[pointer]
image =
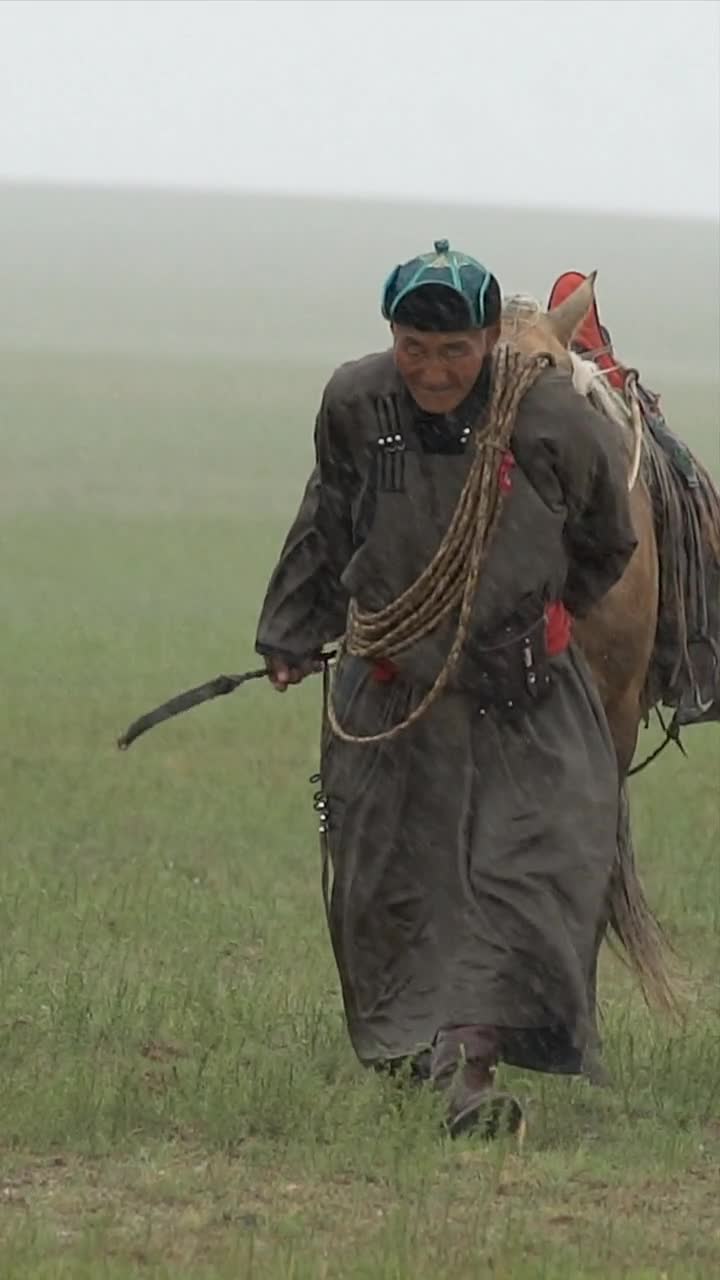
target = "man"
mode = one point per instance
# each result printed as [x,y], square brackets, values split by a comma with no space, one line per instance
[467,768]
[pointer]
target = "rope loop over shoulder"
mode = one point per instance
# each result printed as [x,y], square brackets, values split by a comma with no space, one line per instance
[450,580]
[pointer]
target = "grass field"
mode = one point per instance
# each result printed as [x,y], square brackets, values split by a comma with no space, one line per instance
[178,1097]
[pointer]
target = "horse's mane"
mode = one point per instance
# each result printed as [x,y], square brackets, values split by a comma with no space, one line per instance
[520,311]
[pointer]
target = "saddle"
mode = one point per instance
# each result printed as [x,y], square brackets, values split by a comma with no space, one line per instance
[685,668]
[593,342]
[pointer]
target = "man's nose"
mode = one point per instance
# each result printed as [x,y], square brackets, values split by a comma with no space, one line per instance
[434,375]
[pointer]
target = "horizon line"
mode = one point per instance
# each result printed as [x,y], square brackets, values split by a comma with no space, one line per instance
[137,187]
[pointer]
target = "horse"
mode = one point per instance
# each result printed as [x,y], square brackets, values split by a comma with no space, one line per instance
[618,636]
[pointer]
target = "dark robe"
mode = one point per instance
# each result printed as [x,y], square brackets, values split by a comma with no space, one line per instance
[471,855]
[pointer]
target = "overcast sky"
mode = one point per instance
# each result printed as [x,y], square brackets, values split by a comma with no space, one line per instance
[607,104]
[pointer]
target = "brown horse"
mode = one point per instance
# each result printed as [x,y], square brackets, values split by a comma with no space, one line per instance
[618,636]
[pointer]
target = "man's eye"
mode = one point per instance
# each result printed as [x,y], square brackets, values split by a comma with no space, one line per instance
[455,350]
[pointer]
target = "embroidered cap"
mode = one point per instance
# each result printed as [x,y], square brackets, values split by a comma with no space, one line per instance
[457,271]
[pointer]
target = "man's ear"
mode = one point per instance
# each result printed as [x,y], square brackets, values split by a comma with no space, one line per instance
[492,336]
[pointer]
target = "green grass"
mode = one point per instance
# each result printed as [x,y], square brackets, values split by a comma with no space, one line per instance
[178,1096]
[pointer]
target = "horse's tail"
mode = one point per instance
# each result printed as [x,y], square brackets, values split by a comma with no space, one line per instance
[636,927]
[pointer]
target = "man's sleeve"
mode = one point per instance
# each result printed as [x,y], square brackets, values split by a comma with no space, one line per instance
[593,468]
[305,604]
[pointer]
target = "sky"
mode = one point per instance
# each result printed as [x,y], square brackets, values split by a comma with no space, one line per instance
[585,104]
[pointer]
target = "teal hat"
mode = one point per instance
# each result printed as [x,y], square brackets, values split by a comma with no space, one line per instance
[446,266]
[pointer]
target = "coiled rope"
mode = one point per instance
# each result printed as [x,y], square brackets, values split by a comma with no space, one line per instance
[452,576]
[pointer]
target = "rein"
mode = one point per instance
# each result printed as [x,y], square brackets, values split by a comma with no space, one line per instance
[672,734]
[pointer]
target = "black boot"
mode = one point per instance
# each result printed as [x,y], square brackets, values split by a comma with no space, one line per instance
[463,1064]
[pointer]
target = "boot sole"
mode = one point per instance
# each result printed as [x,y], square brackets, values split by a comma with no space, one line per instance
[500,1116]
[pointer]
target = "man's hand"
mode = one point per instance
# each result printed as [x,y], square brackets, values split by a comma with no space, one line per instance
[282,674]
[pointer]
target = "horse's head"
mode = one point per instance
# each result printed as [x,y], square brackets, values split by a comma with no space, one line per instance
[529,328]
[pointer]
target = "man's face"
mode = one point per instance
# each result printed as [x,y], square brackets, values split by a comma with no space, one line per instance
[440,369]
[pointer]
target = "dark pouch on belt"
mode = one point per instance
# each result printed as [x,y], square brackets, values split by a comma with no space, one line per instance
[510,672]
